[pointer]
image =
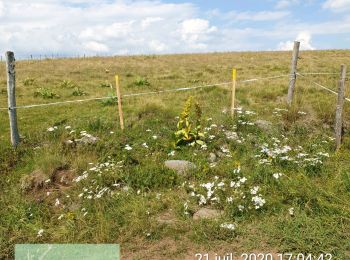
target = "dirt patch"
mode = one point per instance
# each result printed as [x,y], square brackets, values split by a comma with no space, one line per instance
[167,218]
[35,181]
[37,185]
[63,178]
[156,250]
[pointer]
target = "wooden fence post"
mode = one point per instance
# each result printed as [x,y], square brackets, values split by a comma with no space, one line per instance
[119,96]
[293,72]
[233,91]
[11,97]
[339,109]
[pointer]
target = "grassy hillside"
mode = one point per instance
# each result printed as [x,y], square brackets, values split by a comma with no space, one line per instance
[282,185]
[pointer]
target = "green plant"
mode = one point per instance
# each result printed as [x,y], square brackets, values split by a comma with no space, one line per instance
[45,93]
[111,100]
[67,84]
[106,85]
[28,82]
[189,132]
[141,82]
[78,92]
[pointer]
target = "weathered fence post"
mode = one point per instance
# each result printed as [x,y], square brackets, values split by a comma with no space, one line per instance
[293,72]
[119,96]
[11,95]
[233,91]
[339,109]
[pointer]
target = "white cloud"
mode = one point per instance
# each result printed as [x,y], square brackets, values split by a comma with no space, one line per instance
[257,16]
[195,30]
[282,4]
[2,8]
[337,5]
[96,46]
[93,26]
[149,21]
[157,46]
[305,42]
[71,27]
[196,26]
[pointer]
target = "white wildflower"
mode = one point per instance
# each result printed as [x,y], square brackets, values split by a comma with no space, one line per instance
[254,190]
[40,233]
[277,175]
[258,201]
[128,147]
[229,199]
[228,226]
[291,211]
[243,180]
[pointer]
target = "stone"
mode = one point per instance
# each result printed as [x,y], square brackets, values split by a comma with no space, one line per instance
[181,166]
[263,124]
[69,143]
[87,139]
[207,213]
[212,157]
[231,135]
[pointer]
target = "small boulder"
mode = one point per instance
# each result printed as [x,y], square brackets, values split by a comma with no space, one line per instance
[181,166]
[231,135]
[212,157]
[263,124]
[206,213]
[69,143]
[87,139]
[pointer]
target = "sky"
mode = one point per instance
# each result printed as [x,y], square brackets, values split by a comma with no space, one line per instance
[125,27]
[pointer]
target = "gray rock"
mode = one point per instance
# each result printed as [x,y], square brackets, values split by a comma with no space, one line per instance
[263,124]
[206,213]
[212,158]
[220,154]
[231,135]
[69,143]
[87,139]
[181,166]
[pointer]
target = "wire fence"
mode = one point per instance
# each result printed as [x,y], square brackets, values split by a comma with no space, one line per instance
[143,93]
[322,86]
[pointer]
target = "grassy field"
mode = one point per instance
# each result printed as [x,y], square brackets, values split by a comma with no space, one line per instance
[281,185]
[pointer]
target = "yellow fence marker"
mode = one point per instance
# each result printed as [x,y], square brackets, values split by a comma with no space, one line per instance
[233,91]
[119,96]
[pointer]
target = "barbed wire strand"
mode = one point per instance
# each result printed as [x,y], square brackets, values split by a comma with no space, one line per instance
[319,73]
[323,87]
[141,94]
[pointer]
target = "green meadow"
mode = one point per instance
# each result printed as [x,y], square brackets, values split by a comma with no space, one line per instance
[271,172]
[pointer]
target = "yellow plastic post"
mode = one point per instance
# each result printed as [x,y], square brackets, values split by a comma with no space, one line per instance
[119,96]
[233,91]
